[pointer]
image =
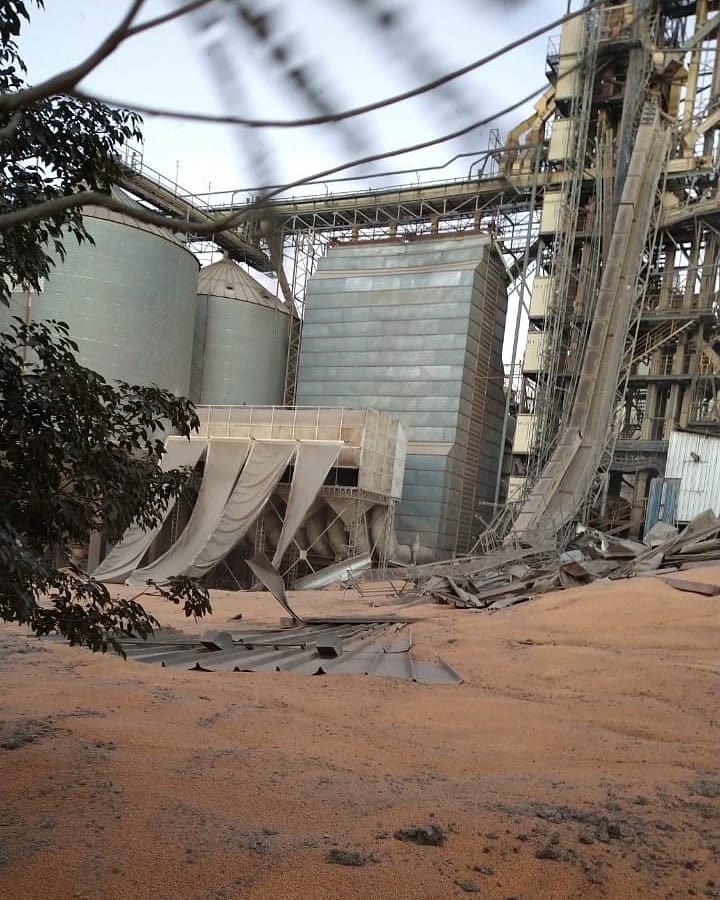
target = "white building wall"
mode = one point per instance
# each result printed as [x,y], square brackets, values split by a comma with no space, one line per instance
[695,460]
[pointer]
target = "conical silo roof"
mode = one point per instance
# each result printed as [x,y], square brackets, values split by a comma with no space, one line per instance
[225,278]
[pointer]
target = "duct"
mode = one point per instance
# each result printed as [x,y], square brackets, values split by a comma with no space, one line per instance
[344,508]
[273,528]
[262,471]
[565,479]
[316,530]
[339,571]
[416,553]
[314,459]
[225,458]
[336,535]
[396,552]
[362,541]
[126,555]
[301,539]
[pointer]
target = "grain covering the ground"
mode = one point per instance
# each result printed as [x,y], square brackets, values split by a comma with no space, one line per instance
[579,759]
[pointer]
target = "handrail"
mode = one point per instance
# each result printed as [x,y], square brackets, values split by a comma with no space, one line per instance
[133,159]
[358,194]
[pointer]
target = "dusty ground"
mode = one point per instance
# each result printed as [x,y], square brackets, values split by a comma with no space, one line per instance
[579,760]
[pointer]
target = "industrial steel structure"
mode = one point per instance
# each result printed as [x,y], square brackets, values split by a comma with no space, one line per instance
[605,203]
[308,487]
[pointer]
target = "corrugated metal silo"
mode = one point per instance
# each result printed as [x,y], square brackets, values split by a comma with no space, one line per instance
[129,300]
[241,334]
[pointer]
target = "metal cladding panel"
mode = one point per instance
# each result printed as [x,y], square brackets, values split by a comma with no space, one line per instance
[423,497]
[541,296]
[534,350]
[561,140]
[239,354]
[415,330]
[369,647]
[524,433]
[552,213]
[695,460]
[129,301]
[377,327]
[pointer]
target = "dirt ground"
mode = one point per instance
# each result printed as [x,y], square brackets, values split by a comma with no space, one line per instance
[578,760]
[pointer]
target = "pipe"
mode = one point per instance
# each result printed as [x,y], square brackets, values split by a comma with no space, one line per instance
[336,535]
[399,553]
[336,572]
[345,510]
[315,528]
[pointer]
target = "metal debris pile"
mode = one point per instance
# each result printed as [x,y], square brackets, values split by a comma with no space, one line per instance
[505,578]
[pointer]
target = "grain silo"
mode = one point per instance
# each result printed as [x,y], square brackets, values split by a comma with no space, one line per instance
[415,330]
[129,300]
[241,335]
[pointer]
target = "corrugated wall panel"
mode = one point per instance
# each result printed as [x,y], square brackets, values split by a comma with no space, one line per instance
[416,331]
[695,460]
[129,300]
[240,353]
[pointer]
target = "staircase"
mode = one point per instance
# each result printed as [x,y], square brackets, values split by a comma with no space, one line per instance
[652,340]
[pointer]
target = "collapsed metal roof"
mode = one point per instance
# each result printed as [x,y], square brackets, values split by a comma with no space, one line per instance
[331,647]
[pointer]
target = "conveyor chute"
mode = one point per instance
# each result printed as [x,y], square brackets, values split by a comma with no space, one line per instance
[563,484]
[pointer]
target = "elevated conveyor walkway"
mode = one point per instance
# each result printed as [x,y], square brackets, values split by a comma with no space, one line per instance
[143,184]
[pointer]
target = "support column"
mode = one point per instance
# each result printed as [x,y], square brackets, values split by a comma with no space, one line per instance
[637,515]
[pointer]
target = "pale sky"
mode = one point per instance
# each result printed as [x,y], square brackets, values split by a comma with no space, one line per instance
[168,67]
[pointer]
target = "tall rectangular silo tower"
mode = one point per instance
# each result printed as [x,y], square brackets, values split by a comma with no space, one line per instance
[415,329]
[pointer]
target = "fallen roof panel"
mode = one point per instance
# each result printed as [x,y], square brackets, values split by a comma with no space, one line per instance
[370,648]
[364,647]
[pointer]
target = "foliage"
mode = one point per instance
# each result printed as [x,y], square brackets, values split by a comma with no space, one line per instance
[49,149]
[76,453]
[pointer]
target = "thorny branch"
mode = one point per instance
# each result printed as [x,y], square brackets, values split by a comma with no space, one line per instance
[339,116]
[167,17]
[65,82]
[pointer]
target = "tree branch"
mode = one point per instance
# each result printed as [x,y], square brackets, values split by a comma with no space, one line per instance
[86,198]
[66,81]
[376,157]
[349,113]
[8,132]
[167,17]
